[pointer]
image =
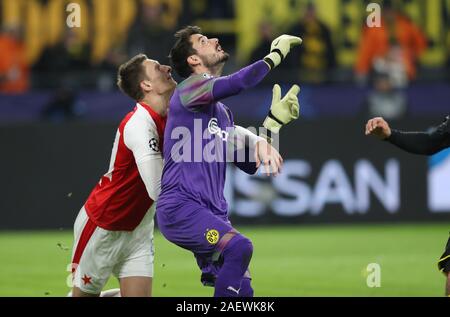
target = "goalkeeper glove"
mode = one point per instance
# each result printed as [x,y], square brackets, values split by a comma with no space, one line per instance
[280,48]
[282,111]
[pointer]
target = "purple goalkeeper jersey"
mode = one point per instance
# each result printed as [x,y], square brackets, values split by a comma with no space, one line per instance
[195,138]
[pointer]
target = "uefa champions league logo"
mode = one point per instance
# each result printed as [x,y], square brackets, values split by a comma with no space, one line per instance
[153,143]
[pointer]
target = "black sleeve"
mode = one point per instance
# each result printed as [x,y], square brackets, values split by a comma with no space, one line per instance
[426,143]
[247,166]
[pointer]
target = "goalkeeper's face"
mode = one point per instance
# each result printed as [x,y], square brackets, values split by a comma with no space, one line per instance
[208,50]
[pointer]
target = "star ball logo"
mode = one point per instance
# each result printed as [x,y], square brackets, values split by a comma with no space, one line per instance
[153,143]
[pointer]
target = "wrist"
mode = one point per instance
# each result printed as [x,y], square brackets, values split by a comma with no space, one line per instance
[273,59]
[272,125]
[389,135]
[266,137]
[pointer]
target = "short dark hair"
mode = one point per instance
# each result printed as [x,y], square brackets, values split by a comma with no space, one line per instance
[182,49]
[130,75]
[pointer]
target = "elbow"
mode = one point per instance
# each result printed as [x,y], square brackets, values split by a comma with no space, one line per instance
[154,193]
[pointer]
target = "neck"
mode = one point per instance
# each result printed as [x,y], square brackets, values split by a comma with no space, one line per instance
[159,103]
[215,70]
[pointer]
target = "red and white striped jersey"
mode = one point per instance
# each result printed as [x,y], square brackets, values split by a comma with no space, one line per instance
[133,182]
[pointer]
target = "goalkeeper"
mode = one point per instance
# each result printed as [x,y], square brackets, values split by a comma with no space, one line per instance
[192,210]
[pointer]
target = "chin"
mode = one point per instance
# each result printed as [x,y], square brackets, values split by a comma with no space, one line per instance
[224,57]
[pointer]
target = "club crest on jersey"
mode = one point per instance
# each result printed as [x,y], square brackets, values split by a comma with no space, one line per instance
[153,143]
[213,128]
[212,236]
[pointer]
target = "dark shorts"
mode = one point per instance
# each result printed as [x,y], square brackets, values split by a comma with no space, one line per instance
[444,261]
[195,228]
[192,227]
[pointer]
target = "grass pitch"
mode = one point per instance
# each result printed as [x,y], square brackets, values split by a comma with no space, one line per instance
[319,260]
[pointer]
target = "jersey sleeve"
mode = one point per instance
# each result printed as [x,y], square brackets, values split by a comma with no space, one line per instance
[241,148]
[196,91]
[203,89]
[425,143]
[144,143]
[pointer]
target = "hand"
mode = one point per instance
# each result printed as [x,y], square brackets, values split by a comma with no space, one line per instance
[280,48]
[282,111]
[378,127]
[269,157]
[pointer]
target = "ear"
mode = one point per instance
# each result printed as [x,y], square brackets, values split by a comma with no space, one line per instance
[193,60]
[146,86]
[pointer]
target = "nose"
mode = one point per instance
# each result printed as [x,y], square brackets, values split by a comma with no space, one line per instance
[167,69]
[215,40]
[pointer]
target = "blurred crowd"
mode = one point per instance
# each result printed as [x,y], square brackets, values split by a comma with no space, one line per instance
[386,59]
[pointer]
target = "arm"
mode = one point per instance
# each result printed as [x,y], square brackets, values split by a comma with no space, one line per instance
[263,152]
[238,137]
[251,75]
[148,158]
[203,89]
[425,143]
[245,78]
[240,143]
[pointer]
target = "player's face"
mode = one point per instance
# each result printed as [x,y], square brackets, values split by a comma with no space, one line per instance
[160,76]
[208,50]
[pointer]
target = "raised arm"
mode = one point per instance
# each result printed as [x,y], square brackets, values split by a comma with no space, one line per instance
[202,89]
[245,78]
[424,143]
[251,75]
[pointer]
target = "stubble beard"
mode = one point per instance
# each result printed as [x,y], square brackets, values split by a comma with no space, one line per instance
[215,66]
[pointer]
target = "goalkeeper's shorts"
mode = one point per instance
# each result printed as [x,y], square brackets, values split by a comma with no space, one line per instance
[444,261]
[99,253]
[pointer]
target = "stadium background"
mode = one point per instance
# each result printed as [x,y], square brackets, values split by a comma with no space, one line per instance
[344,200]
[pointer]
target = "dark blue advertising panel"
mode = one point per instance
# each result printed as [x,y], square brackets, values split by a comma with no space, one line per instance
[332,173]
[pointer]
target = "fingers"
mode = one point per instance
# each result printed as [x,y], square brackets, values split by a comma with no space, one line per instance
[371,126]
[367,128]
[377,126]
[295,89]
[257,160]
[294,40]
[269,158]
[266,163]
[294,107]
[374,124]
[295,110]
[279,162]
[276,94]
[274,166]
